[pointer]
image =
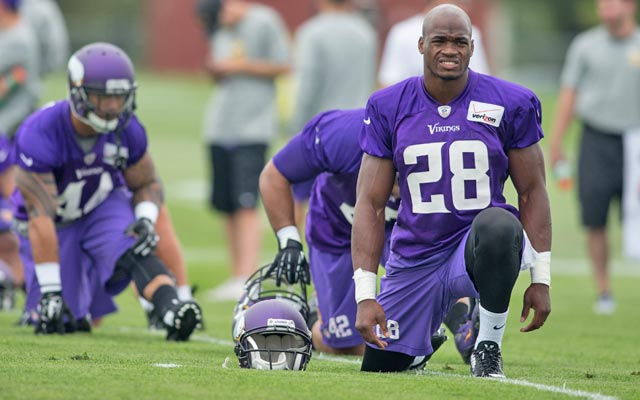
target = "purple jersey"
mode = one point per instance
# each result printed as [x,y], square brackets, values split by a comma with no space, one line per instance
[451,160]
[45,142]
[327,149]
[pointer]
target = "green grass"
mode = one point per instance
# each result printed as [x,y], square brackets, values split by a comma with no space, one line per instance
[575,350]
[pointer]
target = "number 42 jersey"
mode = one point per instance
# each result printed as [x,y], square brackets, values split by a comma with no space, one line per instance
[451,160]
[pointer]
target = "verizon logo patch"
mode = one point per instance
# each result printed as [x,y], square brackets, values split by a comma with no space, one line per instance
[485,113]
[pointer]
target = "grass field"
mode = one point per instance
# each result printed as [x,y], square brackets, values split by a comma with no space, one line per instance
[576,354]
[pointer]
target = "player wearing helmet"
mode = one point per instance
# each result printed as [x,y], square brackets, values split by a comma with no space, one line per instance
[92,198]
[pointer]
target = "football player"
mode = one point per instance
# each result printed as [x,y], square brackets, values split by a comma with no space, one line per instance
[92,198]
[326,149]
[450,138]
[11,276]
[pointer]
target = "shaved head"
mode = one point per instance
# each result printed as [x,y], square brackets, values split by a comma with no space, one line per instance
[443,13]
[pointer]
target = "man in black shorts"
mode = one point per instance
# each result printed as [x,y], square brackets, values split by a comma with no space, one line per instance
[600,93]
[241,120]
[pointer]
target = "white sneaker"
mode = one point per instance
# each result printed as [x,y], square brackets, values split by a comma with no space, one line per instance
[231,290]
[605,305]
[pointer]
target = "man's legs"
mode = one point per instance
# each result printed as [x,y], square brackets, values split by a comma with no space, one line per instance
[235,193]
[600,169]
[492,256]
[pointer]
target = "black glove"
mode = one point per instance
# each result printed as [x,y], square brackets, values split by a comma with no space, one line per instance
[147,238]
[291,262]
[51,312]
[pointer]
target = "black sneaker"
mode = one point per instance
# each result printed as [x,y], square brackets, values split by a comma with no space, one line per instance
[187,316]
[486,360]
[154,320]
[437,340]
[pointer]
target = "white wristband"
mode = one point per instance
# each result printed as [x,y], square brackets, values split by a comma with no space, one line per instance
[48,274]
[541,268]
[286,233]
[365,282]
[147,209]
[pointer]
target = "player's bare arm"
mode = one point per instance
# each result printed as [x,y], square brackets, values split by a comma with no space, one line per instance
[275,191]
[142,181]
[40,192]
[527,173]
[375,181]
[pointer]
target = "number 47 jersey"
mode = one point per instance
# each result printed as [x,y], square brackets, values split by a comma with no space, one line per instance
[46,142]
[451,160]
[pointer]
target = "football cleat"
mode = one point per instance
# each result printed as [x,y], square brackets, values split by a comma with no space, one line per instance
[437,340]
[154,321]
[187,316]
[486,360]
[7,288]
[466,334]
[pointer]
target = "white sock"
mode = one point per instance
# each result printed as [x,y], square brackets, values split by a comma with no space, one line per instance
[145,304]
[491,326]
[184,293]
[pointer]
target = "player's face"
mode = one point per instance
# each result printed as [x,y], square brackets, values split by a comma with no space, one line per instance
[108,107]
[446,48]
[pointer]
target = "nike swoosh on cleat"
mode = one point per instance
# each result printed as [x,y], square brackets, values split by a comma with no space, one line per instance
[496,327]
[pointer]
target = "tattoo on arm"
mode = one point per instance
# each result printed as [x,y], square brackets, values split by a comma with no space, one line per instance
[39,192]
[142,181]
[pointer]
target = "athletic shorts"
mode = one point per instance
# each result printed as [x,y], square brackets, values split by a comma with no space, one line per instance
[236,171]
[89,249]
[417,299]
[332,276]
[599,175]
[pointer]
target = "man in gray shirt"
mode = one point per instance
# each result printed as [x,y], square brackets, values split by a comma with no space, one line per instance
[335,61]
[19,81]
[601,84]
[47,22]
[249,49]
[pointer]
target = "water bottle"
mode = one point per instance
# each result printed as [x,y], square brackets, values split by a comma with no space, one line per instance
[562,172]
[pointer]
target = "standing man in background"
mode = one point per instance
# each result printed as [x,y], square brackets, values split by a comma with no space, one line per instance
[19,91]
[335,61]
[249,49]
[400,58]
[334,67]
[601,84]
[47,22]
[19,81]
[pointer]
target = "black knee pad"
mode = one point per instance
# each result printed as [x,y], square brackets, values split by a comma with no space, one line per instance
[142,269]
[376,360]
[492,256]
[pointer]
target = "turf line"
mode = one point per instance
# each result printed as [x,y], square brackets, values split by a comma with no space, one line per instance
[357,361]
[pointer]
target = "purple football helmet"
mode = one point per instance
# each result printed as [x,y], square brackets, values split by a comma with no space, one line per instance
[273,335]
[262,286]
[103,69]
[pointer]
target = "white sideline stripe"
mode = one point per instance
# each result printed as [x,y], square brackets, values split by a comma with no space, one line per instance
[167,365]
[357,361]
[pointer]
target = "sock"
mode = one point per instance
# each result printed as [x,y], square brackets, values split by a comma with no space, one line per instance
[491,326]
[163,298]
[144,303]
[184,293]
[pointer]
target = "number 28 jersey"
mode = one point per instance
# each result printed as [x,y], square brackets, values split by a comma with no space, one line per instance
[451,160]
[45,142]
